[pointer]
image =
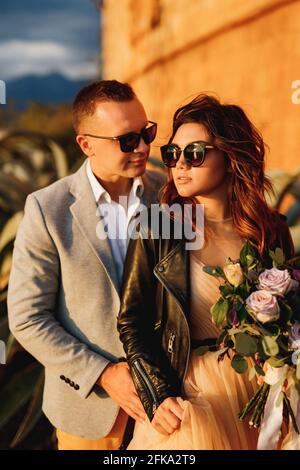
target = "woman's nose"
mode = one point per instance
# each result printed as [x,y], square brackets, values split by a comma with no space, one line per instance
[182,163]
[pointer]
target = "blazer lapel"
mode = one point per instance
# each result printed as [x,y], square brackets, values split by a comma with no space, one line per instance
[84,211]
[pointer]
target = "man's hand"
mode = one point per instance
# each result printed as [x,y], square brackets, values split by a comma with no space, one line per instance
[118,384]
[168,416]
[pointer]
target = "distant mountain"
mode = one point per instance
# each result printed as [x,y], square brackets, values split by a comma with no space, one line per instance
[53,88]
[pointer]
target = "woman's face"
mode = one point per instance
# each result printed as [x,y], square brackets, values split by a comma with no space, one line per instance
[198,181]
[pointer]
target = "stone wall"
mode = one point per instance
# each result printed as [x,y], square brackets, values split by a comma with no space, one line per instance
[244,51]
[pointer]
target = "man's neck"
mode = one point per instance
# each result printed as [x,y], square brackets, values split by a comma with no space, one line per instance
[116,188]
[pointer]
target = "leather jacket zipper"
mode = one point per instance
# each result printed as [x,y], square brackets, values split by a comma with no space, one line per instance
[142,374]
[171,342]
[187,326]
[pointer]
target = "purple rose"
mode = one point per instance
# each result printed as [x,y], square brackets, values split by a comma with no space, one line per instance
[277,281]
[264,305]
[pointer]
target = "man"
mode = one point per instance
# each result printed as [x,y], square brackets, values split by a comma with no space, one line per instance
[63,297]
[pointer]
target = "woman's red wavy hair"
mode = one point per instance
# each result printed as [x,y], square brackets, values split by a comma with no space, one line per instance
[244,148]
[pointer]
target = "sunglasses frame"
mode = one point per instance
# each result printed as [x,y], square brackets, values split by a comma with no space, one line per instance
[192,162]
[121,138]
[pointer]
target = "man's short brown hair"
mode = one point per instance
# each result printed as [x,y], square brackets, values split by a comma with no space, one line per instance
[102,90]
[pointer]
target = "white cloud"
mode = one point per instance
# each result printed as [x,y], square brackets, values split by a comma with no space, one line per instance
[41,57]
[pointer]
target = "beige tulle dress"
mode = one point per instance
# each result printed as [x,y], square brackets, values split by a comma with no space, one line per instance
[214,392]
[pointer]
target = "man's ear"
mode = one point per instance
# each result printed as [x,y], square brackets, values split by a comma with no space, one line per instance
[84,144]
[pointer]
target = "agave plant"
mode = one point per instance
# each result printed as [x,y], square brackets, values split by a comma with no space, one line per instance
[28,161]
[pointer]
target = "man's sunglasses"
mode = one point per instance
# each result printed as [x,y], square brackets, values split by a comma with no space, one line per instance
[130,141]
[194,153]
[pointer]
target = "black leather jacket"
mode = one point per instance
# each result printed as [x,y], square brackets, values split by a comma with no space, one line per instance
[154,316]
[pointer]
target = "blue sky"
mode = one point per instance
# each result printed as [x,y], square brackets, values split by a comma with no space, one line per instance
[45,36]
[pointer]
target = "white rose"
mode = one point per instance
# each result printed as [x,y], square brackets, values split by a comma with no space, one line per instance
[264,305]
[276,281]
[234,273]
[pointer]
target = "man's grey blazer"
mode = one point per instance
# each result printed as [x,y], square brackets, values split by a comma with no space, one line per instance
[63,300]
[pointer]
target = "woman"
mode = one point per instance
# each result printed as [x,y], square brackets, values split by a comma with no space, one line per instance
[215,157]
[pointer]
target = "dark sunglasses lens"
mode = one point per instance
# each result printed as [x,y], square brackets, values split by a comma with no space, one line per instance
[170,155]
[149,133]
[195,154]
[129,142]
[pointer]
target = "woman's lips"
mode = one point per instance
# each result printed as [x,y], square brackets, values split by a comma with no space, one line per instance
[183,179]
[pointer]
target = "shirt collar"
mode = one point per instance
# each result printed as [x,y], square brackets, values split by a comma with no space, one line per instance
[137,188]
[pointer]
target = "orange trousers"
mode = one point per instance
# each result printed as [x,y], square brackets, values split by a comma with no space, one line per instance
[112,441]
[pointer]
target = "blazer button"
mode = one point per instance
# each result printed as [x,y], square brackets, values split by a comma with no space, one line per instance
[72,383]
[68,380]
[76,386]
[161,269]
[62,377]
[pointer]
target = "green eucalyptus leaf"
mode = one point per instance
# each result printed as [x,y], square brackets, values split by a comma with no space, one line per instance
[279,256]
[270,345]
[259,370]
[239,364]
[251,374]
[226,290]
[219,311]
[215,271]
[245,344]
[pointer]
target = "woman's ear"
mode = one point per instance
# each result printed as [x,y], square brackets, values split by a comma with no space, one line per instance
[228,164]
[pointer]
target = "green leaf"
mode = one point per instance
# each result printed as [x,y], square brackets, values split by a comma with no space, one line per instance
[201,350]
[245,344]
[226,290]
[251,374]
[219,311]
[9,231]
[275,362]
[221,351]
[215,271]
[298,370]
[243,313]
[270,345]
[259,370]
[248,255]
[17,392]
[239,364]
[33,413]
[279,256]
[4,330]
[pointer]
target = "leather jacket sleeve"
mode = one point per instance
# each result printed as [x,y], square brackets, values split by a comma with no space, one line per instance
[136,325]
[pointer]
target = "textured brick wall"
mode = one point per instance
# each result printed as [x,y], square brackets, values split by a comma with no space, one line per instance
[245,51]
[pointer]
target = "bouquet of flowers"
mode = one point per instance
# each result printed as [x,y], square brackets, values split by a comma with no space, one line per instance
[258,314]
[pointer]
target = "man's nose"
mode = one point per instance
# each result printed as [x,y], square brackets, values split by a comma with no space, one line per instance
[142,147]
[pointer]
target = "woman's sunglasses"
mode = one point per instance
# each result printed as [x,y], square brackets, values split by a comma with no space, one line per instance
[194,153]
[129,142]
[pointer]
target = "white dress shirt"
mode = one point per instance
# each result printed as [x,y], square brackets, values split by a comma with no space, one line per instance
[116,217]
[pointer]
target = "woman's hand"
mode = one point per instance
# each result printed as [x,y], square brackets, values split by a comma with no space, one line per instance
[168,416]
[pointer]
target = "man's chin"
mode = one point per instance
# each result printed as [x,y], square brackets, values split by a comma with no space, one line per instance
[137,169]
